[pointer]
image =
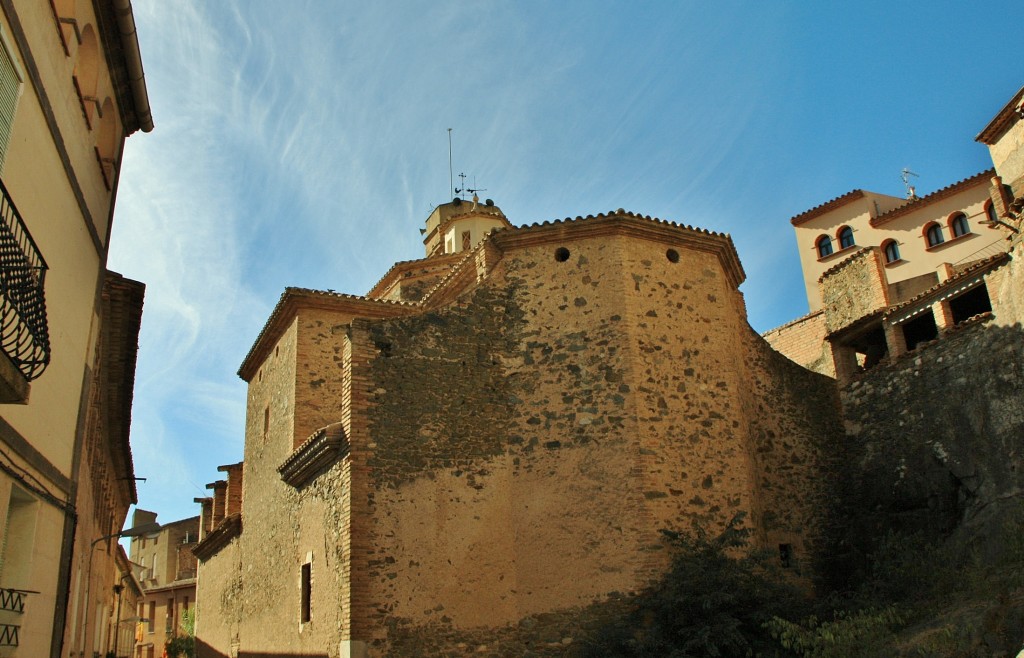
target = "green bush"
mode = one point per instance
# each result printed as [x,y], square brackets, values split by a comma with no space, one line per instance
[709,604]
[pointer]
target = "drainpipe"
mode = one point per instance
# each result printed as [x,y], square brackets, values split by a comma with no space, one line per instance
[136,76]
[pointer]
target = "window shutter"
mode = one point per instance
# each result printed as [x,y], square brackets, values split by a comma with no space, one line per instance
[10,86]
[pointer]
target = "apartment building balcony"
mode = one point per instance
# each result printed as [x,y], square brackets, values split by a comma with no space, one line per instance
[24,335]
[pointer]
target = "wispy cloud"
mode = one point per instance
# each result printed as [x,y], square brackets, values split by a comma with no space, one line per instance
[306,147]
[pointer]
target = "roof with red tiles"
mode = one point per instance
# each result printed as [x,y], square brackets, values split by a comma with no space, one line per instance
[1010,113]
[938,195]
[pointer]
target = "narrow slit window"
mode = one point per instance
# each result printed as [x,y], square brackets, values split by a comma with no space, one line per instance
[306,592]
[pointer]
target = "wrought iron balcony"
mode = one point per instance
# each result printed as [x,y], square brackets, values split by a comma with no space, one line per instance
[11,601]
[24,335]
[9,635]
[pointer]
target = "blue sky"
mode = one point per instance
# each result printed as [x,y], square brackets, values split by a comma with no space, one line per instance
[304,144]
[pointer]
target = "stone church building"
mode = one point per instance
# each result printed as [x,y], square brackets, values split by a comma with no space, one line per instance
[481,453]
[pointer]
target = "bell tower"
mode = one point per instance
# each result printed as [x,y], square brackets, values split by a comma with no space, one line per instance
[460,225]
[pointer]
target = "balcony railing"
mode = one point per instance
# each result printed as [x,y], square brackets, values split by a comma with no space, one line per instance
[12,604]
[24,335]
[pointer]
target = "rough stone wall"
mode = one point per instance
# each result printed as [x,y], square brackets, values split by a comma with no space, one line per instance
[853,289]
[803,341]
[530,443]
[263,556]
[794,425]
[514,456]
[936,435]
[319,371]
[220,602]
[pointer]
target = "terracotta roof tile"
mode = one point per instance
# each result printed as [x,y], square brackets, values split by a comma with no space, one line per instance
[1002,120]
[817,211]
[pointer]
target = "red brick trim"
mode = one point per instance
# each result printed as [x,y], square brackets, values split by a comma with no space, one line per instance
[220,537]
[323,448]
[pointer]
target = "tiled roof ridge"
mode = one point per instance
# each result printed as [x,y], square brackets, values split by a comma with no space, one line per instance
[1000,121]
[333,294]
[398,265]
[622,213]
[456,268]
[973,268]
[840,200]
[794,321]
[846,261]
[937,195]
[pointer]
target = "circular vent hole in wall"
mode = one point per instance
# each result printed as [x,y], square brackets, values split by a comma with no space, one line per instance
[561,254]
[672,255]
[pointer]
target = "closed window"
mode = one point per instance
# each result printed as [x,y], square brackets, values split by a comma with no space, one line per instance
[846,238]
[10,90]
[934,235]
[824,246]
[892,251]
[958,225]
[990,213]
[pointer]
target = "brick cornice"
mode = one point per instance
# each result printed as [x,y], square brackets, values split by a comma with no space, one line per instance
[219,537]
[323,448]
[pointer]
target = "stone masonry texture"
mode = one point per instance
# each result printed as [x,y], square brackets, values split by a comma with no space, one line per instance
[514,453]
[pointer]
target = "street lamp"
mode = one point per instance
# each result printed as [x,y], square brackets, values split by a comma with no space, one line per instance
[144,529]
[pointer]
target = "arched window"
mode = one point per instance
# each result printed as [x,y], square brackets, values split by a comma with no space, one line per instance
[958,225]
[824,245]
[846,237]
[990,213]
[892,251]
[934,235]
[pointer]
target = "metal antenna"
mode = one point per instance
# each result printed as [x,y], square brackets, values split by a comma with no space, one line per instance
[475,189]
[905,177]
[451,179]
[462,179]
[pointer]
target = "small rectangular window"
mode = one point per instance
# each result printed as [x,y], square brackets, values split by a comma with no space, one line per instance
[152,615]
[169,628]
[786,555]
[306,592]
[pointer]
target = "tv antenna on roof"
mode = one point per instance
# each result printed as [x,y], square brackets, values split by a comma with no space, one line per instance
[451,184]
[473,190]
[905,177]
